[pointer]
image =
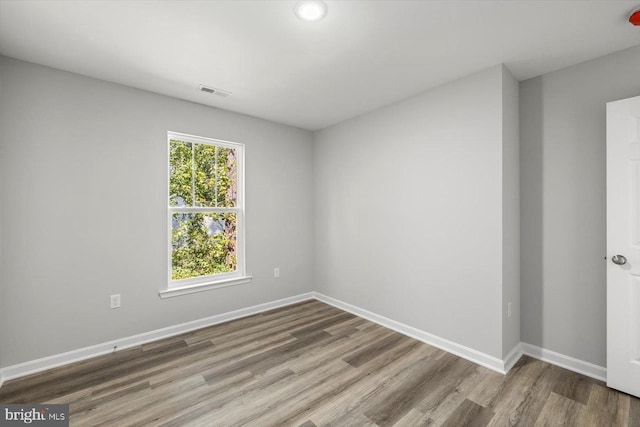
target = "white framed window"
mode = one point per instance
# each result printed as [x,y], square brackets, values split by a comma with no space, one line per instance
[205,214]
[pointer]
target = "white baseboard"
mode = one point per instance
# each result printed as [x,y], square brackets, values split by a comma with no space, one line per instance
[567,362]
[512,358]
[483,359]
[33,366]
[470,354]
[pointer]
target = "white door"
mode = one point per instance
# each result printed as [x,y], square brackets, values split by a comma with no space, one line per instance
[623,245]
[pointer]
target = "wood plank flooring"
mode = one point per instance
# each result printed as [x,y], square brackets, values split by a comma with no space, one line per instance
[311,364]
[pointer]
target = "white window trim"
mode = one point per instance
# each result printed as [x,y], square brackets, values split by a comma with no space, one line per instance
[222,280]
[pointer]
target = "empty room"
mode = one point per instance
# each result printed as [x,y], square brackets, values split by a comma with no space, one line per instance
[320,213]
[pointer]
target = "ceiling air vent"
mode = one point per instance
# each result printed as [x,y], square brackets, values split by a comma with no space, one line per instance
[214,91]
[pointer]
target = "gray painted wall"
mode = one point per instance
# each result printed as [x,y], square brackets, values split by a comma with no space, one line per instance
[510,212]
[64,136]
[562,122]
[84,175]
[408,203]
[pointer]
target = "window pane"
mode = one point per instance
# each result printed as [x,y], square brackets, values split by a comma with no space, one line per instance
[215,176]
[202,244]
[180,161]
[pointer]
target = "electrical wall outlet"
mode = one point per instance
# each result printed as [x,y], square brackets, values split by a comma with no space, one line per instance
[276,272]
[115,301]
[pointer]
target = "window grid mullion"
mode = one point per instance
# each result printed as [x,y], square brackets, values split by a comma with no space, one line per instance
[215,174]
[193,174]
[199,209]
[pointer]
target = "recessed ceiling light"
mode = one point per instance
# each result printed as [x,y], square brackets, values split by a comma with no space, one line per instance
[310,10]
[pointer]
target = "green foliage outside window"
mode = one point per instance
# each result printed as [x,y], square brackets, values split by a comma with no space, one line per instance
[202,175]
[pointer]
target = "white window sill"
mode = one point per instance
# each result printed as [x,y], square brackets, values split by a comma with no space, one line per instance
[200,287]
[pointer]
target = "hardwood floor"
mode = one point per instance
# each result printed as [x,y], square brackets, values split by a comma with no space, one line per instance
[313,365]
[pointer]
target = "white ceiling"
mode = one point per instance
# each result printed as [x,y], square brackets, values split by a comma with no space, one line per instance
[363,55]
